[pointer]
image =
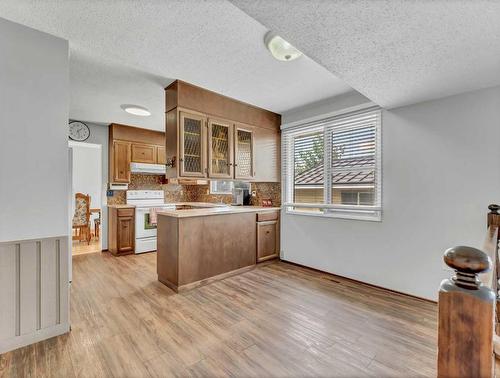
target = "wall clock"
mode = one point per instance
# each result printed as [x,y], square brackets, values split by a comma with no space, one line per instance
[78,131]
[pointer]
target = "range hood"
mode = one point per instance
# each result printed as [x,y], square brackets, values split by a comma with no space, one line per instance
[148,169]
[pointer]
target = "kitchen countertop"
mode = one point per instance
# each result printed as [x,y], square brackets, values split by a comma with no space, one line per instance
[122,206]
[215,209]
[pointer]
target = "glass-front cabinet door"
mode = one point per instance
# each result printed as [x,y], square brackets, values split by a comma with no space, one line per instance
[243,153]
[192,149]
[220,149]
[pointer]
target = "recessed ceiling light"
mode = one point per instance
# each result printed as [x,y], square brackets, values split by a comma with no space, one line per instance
[281,49]
[136,110]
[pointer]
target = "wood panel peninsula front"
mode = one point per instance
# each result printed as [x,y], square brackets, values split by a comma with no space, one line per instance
[198,246]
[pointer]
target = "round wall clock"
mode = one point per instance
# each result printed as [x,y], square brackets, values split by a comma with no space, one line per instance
[78,131]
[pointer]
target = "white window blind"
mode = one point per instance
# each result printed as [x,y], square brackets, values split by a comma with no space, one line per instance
[332,166]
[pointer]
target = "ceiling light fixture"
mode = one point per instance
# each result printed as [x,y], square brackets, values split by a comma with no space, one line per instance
[136,110]
[281,49]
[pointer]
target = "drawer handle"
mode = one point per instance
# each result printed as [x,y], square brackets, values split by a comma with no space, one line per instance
[267,232]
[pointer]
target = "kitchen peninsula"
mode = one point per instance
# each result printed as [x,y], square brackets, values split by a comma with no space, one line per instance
[198,246]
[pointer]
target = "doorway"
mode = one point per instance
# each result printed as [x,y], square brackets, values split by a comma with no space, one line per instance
[86,197]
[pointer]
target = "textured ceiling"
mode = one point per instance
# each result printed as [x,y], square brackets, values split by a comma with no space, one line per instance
[127,51]
[99,87]
[394,52]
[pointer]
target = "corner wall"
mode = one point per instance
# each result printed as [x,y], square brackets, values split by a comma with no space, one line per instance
[34,186]
[441,169]
[34,99]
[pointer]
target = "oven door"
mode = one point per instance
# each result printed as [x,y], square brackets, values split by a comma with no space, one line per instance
[143,229]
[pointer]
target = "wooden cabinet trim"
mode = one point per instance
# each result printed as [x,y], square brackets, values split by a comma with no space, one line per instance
[230,141]
[121,231]
[126,234]
[203,145]
[122,136]
[136,135]
[182,94]
[121,163]
[126,212]
[249,129]
[161,156]
[267,240]
[143,153]
[267,216]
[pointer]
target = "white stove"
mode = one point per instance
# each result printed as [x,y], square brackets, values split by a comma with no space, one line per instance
[144,201]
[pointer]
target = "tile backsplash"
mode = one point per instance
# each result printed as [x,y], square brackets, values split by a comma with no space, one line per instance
[196,193]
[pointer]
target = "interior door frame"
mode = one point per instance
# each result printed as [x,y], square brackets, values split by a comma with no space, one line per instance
[71,145]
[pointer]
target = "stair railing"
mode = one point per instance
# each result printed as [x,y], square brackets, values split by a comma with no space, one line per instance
[468,308]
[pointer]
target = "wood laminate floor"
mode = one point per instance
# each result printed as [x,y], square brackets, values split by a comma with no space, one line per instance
[79,248]
[278,320]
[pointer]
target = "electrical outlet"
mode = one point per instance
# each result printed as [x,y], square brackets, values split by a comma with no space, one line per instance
[254,193]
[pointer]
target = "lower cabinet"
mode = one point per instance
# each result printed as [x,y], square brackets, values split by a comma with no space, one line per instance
[268,241]
[121,231]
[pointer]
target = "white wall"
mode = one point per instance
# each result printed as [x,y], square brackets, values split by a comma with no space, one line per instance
[34,92]
[330,105]
[87,171]
[440,171]
[34,186]
[86,177]
[99,135]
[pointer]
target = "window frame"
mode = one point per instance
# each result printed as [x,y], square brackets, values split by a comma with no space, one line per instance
[216,186]
[328,209]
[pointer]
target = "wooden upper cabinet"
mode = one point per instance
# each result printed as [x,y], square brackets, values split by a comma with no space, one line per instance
[220,149]
[121,161]
[161,157]
[213,136]
[143,153]
[243,152]
[131,144]
[192,145]
[266,155]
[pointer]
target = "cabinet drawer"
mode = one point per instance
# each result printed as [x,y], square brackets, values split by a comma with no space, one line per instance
[267,216]
[125,212]
[143,153]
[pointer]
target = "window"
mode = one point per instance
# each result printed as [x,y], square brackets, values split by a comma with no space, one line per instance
[345,150]
[221,187]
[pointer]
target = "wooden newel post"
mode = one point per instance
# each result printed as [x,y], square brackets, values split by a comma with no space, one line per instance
[466,310]
[493,216]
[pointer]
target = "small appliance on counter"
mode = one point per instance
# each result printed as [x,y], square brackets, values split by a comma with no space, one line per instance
[241,193]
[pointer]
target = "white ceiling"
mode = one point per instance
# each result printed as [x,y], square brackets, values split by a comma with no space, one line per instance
[128,51]
[394,52]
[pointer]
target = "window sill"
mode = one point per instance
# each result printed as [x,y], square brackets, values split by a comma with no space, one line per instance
[360,217]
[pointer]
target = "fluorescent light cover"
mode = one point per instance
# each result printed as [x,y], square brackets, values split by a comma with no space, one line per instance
[281,49]
[136,110]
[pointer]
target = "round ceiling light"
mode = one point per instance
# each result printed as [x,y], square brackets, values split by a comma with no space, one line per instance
[136,110]
[281,49]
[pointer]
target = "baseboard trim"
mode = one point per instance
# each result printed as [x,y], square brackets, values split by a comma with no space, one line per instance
[31,338]
[206,281]
[359,282]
